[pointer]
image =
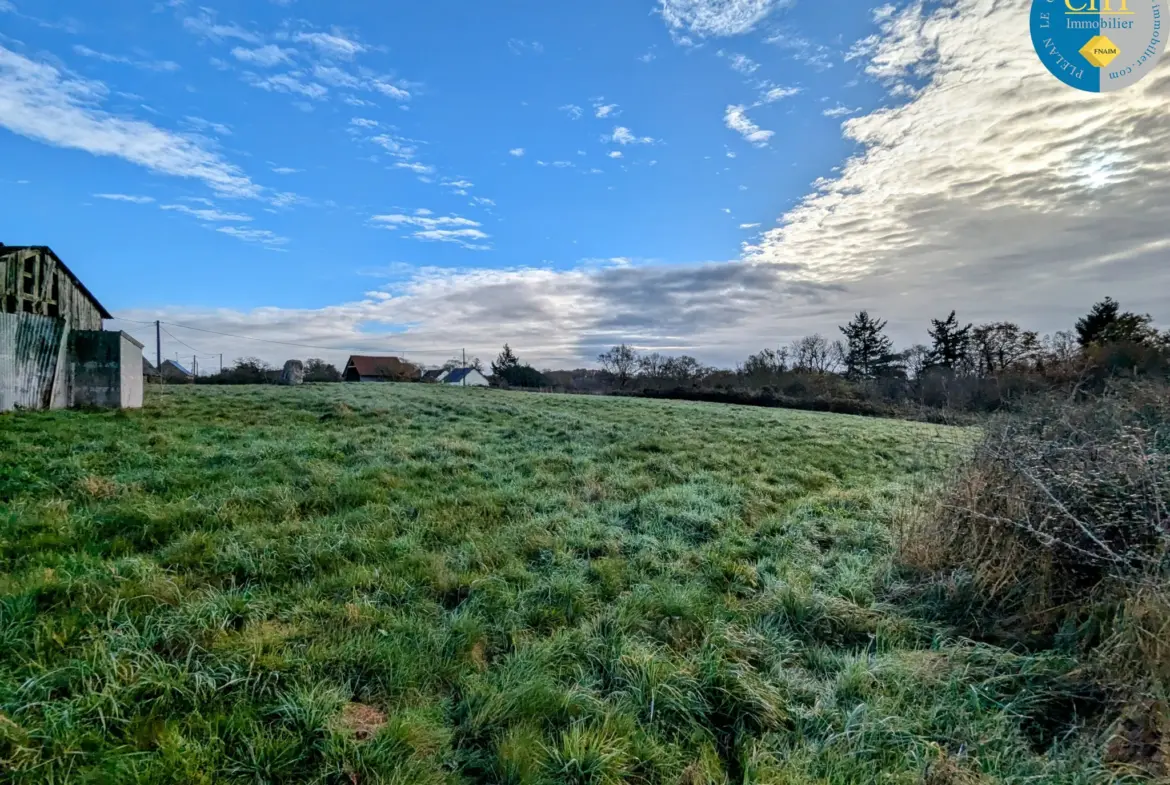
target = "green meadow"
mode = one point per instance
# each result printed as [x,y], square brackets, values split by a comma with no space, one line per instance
[412,584]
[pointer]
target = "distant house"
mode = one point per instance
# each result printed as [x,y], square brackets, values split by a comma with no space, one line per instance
[434,374]
[364,368]
[53,350]
[465,377]
[149,372]
[171,371]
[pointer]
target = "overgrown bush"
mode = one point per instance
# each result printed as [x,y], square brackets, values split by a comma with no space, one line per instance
[1056,534]
[1062,500]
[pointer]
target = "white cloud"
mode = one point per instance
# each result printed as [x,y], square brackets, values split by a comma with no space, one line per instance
[209,214]
[521,47]
[205,26]
[261,236]
[200,124]
[742,63]
[623,135]
[817,56]
[615,154]
[773,94]
[516,151]
[737,120]
[749,226]
[7,7]
[647,58]
[572,110]
[332,44]
[292,83]
[396,146]
[716,17]
[415,167]
[459,183]
[353,100]
[445,228]
[266,56]
[840,110]
[145,65]
[606,110]
[286,170]
[337,77]
[362,122]
[39,102]
[125,198]
[388,89]
[483,201]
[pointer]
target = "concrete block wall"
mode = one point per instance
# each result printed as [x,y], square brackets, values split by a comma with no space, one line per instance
[106,369]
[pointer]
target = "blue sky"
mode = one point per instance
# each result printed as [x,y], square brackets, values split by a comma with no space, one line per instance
[685,175]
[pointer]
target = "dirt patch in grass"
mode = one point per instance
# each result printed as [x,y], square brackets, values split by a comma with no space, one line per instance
[361,720]
[1142,741]
[98,487]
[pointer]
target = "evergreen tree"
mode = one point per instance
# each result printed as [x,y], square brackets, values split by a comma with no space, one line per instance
[508,369]
[505,363]
[1107,323]
[868,350]
[952,344]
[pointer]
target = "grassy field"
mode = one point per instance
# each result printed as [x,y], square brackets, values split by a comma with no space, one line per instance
[409,584]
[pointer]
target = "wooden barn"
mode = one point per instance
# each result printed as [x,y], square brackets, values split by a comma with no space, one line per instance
[34,280]
[53,351]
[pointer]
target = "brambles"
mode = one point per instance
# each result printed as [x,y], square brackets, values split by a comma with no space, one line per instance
[1056,535]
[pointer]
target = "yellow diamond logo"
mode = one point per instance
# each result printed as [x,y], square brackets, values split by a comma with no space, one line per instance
[1100,51]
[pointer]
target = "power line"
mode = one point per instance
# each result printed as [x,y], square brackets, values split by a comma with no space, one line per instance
[427,350]
[189,346]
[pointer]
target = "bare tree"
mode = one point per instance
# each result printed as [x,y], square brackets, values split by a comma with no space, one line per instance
[683,369]
[650,365]
[999,346]
[812,354]
[768,362]
[621,361]
[916,359]
[1062,347]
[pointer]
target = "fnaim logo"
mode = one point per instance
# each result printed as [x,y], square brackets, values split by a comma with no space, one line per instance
[1098,45]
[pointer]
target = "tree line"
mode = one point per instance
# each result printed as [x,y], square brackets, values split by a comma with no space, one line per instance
[963,366]
[968,366]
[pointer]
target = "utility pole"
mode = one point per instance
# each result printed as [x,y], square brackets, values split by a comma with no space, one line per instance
[157,346]
[221,363]
[194,367]
[464,367]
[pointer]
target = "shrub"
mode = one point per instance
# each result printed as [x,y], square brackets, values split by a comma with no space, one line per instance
[1063,499]
[1057,534]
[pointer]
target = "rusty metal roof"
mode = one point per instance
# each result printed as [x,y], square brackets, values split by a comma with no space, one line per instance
[6,249]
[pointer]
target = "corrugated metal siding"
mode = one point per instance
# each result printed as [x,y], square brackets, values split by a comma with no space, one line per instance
[29,349]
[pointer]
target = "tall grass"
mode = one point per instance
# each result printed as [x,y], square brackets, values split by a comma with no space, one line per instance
[408,584]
